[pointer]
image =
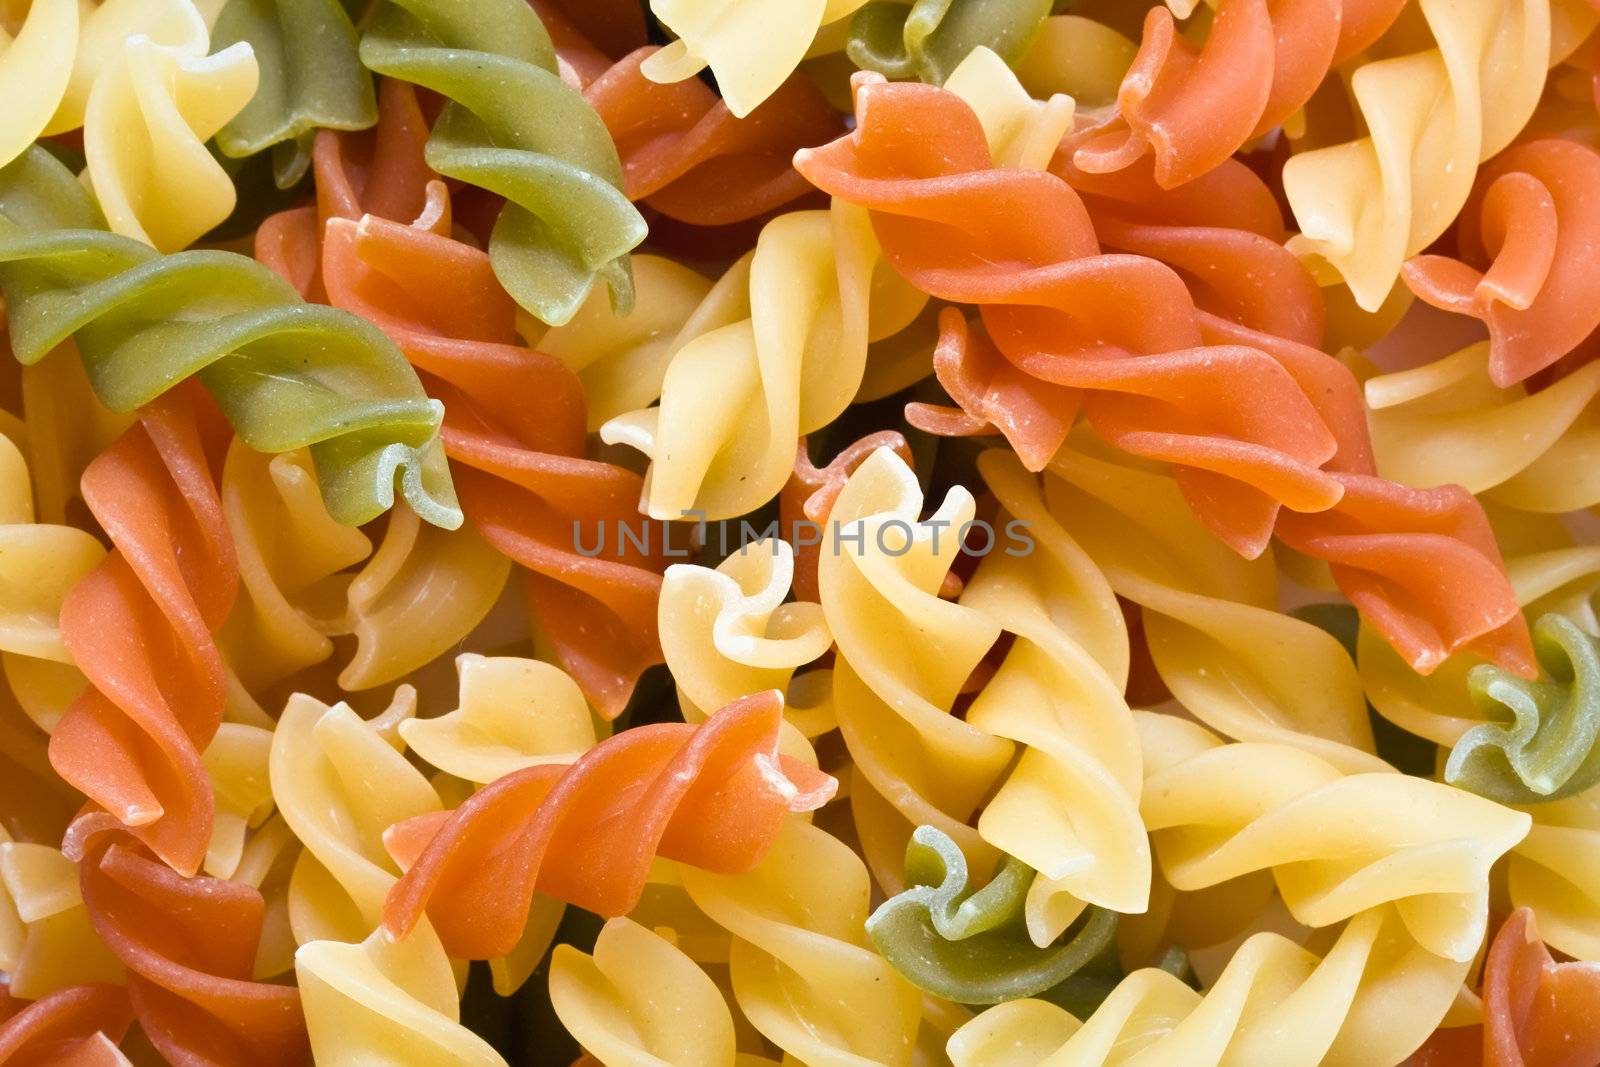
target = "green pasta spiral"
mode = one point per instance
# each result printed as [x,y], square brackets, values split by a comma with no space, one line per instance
[930,37]
[972,946]
[286,373]
[1541,741]
[311,78]
[515,128]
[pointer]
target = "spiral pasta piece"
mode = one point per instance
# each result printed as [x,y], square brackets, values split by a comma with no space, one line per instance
[1548,748]
[311,78]
[802,971]
[145,129]
[291,557]
[1191,106]
[69,1026]
[1433,115]
[1527,222]
[243,333]
[1210,618]
[1553,872]
[567,223]
[1415,890]
[967,944]
[727,633]
[189,945]
[1526,450]
[140,627]
[611,1001]
[339,786]
[383,1002]
[781,350]
[751,46]
[711,795]
[1237,421]
[513,714]
[1538,1013]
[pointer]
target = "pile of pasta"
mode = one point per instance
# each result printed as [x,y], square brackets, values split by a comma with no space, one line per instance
[707,533]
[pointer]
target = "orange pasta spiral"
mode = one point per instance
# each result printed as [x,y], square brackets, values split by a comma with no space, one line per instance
[1263,431]
[1527,237]
[140,628]
[189,945]
[712,795]
[1191,107]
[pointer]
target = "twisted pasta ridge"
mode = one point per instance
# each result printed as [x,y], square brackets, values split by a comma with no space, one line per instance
[779,349]
[75,1022]
[609,1000]
[1210,618]
[1247,442]
[1146,381]
[1414,889]
[1326,867]
[339,785]
[242,332]
[291,557]
[146,154]
[1526,223]
[1547,749]
[515,428]
[1366,205]
[513,713]
[1538,1013]
[751,46]
[140,627]
[927,39]
[802,971]
[686,155]
[386,1002]
[1526,450]
[1191,106]
[712,795]
[311,78]
[189,945]
[727,633]
[149,116]
[566,223]
[46,942]
[968,944]
[35,68]
[39,564]
[1275,1002]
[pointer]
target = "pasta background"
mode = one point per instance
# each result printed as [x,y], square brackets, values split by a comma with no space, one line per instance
[856,533]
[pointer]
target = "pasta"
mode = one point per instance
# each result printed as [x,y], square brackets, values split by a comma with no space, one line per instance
[704,795]
[311,79]
[360,455]
[928,39]
[720,445]
[751,46]
[1192,106]
[140,627]
[967,944]
[988,592]
[1264,457]
[1366,205]
[567,223]
[1537,1011]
